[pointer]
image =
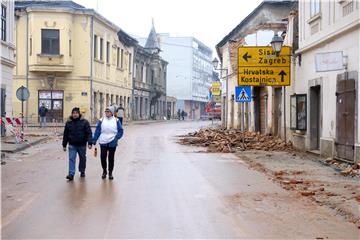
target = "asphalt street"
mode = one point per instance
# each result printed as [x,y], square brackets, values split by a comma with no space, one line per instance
[161,190]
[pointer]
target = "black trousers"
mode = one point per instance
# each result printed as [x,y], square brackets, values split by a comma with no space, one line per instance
[107,153]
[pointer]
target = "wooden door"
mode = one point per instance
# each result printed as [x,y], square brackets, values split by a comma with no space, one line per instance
[345,119]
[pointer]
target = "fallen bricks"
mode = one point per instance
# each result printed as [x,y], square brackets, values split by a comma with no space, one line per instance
[230,140]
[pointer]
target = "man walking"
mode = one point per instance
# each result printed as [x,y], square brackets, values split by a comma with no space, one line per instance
[42,114]
[183,114]
[179,114]
[121,114]
[77,133]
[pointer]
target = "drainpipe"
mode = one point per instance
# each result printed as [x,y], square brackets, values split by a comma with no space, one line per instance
[27,63]
[91,67]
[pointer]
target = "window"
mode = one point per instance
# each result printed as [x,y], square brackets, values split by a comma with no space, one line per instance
[50,42]
[101,48]
[107,52]
[152,76]
[130,63]
[298,112]
[314,7]
[70,47]
[122,58]
[95,47]
[117,57]
[30,46]
[3,22]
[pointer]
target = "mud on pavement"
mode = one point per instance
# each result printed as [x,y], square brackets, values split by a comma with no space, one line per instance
[324,181]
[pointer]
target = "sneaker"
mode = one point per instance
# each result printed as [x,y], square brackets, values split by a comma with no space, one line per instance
[111,176]
[70,177]
[82,174]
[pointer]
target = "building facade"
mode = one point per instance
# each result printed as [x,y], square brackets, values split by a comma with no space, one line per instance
[264,114]
[150,77]
[68,56]
[7,60]
[189,73]
[325,94]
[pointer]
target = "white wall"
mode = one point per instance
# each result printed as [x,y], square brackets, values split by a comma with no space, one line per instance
[7,56]
[348,44]
[337,32]
[331,20]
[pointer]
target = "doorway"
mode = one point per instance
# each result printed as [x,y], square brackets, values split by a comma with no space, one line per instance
[315,117]
[54,102]
[259,95]
[277,112]
[345,119]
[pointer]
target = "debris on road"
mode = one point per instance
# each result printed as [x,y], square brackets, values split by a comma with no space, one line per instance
[230,140]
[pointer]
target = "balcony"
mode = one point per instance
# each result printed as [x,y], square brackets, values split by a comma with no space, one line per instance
[142,86]
[50,63]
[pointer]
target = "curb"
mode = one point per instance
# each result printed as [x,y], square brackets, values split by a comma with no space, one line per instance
[25,146]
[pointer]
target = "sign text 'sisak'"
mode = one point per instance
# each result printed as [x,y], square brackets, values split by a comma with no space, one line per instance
[260,66]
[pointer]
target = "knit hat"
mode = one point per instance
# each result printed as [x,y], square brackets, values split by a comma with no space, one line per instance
[75,109]
[111,109]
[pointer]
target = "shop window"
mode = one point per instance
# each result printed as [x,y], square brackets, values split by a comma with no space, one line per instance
[298,112]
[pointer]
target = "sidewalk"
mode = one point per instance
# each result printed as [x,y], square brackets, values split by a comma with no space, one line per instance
[32,137]
[311,178]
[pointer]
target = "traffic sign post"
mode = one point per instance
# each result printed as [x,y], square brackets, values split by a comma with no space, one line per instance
[243,94]
[23,94]
[259,66]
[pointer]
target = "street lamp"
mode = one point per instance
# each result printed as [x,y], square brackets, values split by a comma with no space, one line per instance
[215,63]
[276,44]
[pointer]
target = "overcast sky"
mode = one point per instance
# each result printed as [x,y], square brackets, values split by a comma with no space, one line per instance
[207,20]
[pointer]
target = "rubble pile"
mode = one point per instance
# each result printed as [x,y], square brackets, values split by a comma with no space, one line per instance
[230,140]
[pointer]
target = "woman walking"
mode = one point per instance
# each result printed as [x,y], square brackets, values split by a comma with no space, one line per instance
[108,132]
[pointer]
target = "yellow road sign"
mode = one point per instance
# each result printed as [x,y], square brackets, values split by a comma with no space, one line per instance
[216,88]
[264,76]
[260,66]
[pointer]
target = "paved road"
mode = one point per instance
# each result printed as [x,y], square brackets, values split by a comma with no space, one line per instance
[161,190]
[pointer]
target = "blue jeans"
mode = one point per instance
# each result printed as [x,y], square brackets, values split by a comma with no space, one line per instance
[73,150]
[42,121]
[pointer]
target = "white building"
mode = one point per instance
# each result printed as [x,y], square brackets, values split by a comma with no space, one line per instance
[189,73]
[327,74]
[7,57]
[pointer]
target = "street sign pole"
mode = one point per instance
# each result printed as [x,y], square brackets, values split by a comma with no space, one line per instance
[243,123]
[22,116]
[23,94]
[284,113]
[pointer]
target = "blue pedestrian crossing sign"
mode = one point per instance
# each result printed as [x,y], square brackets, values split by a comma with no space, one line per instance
[243,94]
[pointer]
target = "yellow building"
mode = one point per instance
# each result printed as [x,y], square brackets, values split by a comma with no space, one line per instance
[68,56]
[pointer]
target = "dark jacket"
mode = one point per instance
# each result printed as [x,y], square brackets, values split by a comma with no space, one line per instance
[43,111]
[77,132]
[113,143]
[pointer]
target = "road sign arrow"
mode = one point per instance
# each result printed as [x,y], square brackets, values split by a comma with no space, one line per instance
[282,74]
[246,56]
